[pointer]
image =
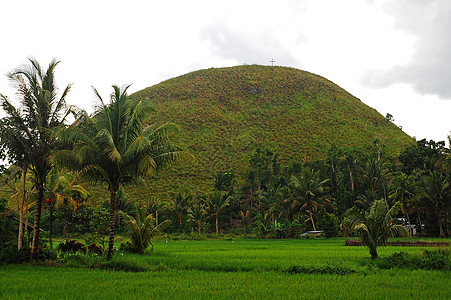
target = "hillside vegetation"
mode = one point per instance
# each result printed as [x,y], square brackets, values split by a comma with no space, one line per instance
[224,113]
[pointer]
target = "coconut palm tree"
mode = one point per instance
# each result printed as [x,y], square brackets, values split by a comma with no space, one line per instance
[216,202]
[197,215]
[403,191]
[245,217]
[281,205]
[153,206]
[310,192]
[31,125]
[11,148]
[15,178]
[117,147]
[179,206]
[377,225]
[435,190]
[62,190]
[374,174]
[142,228]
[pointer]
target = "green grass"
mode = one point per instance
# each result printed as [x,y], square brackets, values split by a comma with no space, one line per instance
[226,269]
[51,283]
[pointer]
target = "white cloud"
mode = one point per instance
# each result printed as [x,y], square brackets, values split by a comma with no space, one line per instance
[428,69]
[247,48]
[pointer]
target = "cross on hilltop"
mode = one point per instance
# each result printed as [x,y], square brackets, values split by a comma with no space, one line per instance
[272,61]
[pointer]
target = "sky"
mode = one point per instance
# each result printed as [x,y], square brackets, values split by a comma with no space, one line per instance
[394,55]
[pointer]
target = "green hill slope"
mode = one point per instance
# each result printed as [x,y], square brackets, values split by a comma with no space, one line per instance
[225,112]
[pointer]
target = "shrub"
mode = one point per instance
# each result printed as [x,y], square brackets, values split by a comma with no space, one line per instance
[329,223]
[436,259]
[95,249]
[10,255]
[430,259]
[402,260]
[72,246]
[127,247]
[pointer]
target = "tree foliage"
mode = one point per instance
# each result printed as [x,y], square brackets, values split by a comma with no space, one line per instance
[377,225]
[27,130]
[116,146]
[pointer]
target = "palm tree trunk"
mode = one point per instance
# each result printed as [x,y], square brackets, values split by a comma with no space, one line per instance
[65,232]
[408,222]
[37,221]
[420,229]
[199,227]
[442,233]
[373,253]
[27,216]
[217,223]
[24,196]
[311,218]
[20,235]
[351,178]
[51,227]
[112,223]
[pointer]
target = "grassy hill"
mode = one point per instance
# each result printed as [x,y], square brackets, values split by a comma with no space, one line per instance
[224,113]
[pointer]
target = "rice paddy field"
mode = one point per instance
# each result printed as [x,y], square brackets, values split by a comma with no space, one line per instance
[232,269]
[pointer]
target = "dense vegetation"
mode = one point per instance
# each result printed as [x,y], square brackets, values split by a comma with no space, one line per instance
[364,178]
[225,113]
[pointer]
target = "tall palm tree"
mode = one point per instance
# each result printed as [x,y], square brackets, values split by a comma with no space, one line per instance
[376,226]
[197,215]
[62,190]
[16,178]
[216,202]
[403,192]
[374,173]
[153,206]
[179,206]
[310,192]
[281,205]
[116,146]
[41,111]
[435,189]
[11,147]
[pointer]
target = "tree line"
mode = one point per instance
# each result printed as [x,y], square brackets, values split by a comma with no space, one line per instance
[283,201]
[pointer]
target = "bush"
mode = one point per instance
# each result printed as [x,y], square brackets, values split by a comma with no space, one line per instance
[127,247]
[72,246]
[436,260]
[10,255]
[431,260]
[85,219]
[95,249]
[329,223]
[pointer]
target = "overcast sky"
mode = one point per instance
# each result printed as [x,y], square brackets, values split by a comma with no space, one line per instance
[394,55]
